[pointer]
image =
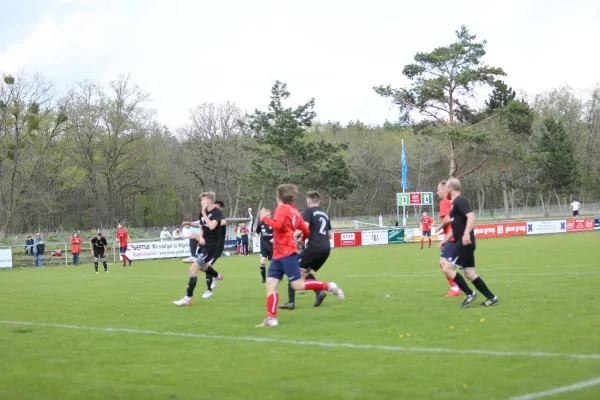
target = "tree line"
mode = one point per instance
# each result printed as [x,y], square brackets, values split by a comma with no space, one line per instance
[94,156]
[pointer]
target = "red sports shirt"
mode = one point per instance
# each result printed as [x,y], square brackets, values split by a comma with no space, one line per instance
[445,206]
[285,222]
[122,236]
[426,224]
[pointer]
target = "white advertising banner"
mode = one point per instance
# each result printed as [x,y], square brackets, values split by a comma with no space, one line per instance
[542,227]
[5,258]
[150,250]
[370,238]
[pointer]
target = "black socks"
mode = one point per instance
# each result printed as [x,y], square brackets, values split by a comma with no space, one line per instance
[191,286]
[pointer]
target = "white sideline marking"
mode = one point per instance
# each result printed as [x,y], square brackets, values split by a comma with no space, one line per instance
[534,354]
[562,389]
[486,274]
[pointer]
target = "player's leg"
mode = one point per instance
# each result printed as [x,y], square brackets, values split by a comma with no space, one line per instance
[104,263]
[470,274]
[193,243]
[460,257]
[429,237]
[96,256]
[193,280]
[207,253]
[444,255]
[274,276]
[422,238]
[294,274]
[263,265]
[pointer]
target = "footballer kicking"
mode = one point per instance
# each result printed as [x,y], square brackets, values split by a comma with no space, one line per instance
[317,249]
[285,261]
[208,239]
[463,254]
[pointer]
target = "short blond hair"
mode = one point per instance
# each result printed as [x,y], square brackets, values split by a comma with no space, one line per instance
[454,184]
[209,196]
[287,193]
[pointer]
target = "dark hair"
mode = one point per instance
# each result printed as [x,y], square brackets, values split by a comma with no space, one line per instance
[314,196]
[220,203]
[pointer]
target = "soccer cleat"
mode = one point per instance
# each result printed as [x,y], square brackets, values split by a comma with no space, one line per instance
[468,300]
[320,297]
[268,322]
[185,301]
[96,271]
[263,281]
[188,260]
[215,281]
[453,293]
[130,262]
[106,272]
[207,294]
[333,288]
[287,306]
[491,302]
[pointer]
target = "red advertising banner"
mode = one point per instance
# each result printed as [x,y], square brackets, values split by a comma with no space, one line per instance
[415,198]
[578,225]
[346,239]
[501,229]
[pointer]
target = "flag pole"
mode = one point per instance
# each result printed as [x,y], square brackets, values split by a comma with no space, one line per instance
[404,163]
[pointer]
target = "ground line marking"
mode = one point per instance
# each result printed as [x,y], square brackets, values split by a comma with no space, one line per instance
[533,354]
[562,389]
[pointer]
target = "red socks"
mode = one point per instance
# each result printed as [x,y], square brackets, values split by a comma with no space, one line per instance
[315,285]
[450,281]
[272,302]
[429,241]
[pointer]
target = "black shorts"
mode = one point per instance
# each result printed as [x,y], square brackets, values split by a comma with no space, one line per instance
[575,213]
[266,251]
[314,259]
[208,254]
[99,254]
[462,256]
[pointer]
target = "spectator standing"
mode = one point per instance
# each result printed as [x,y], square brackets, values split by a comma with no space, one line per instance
[165,235]
[177,234]
[39,245]
[76,241]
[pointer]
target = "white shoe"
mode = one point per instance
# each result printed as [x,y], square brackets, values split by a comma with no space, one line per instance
[207,294]
[333,288]
[268,322]
[215,281]
[185,301]
[189,260]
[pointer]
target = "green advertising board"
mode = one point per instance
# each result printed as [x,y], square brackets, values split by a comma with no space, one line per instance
[415,199]
[395,236]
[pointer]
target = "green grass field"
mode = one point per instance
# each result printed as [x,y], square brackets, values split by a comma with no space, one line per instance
[118,336]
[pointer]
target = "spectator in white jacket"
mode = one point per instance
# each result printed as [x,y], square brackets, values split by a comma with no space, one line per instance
[186,231]
[165,235]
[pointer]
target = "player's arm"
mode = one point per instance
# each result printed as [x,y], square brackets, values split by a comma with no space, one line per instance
[303,227]
[105,243]
[211,223]
[223,222]
[92,248]
[277,221]
[194,224]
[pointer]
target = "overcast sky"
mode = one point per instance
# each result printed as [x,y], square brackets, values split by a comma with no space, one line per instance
[188,52]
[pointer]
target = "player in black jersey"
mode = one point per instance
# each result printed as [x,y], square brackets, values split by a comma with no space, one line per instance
[317,245]
[222,233]
[266,244]
[208,238]
[99,246]
[462,220]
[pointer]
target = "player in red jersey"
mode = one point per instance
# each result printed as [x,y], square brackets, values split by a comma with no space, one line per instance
[285,261]
[426,223]
[124,239]
[445,206]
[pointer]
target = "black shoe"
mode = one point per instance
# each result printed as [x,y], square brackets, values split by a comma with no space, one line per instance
[491,302]
[287,306]
[320,297]
[130,262]
[263,281]
[468,300]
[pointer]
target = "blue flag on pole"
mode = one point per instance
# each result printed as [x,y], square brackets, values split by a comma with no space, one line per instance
[404,168]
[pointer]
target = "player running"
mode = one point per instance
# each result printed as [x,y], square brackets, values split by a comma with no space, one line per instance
[285,261]
[222,233]
[208,239]
[445,205]
[124,240]
[426,223]
[266,244]
[463,254]
[317,249]
[99,246]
